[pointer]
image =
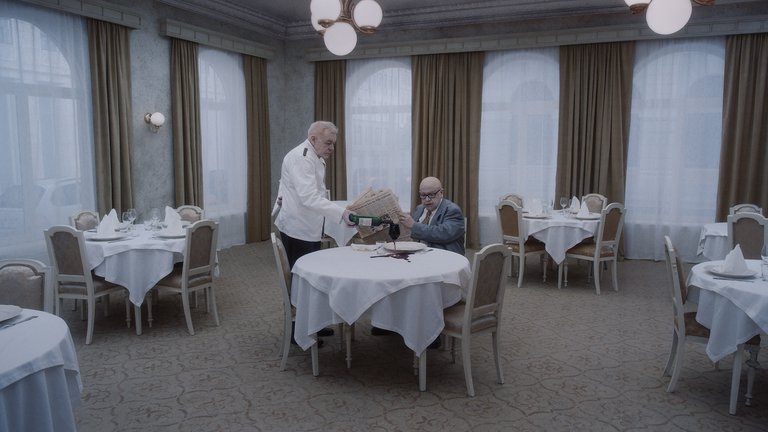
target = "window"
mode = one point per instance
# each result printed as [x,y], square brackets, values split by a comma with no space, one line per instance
[378,127]
[46,143]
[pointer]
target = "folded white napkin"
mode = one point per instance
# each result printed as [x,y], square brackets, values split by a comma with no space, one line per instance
[575,205]
[533,206]
[108,224]
[583,210]
[172,221]
[734,262]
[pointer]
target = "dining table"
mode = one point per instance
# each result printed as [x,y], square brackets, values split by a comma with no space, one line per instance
[560,230]
[713,241]
[733,307]
[39,373]
[136,259]
[406,295]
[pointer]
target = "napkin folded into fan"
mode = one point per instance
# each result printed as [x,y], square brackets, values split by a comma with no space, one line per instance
[583,210]
[172,221]
[575,205]
[534,207]
[108,224]
[735,263]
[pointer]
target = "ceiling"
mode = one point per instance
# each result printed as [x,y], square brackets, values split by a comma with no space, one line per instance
[289,19]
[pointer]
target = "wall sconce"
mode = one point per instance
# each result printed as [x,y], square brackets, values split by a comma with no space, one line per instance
[154,120]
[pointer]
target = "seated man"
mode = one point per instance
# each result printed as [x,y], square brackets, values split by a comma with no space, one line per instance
[437,221]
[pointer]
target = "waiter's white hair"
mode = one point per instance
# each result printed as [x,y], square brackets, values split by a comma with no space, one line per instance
[319,126]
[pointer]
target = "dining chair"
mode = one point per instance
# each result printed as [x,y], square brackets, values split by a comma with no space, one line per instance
[743,208]
[73,279]
[190,213]
[26,283]
[749,231]
[687,329]
[604,249]
[481,311]
[511,221]
[515,198]
[85,220]
[196,273]
[595,202]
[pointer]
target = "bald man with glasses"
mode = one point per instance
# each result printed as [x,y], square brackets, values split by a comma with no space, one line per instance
[437,221]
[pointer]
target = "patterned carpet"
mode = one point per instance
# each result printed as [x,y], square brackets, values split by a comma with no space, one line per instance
[573,361]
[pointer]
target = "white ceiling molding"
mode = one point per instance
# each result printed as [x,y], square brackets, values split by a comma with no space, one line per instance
[232,13]
[640,31]
[214,39]
[94,9]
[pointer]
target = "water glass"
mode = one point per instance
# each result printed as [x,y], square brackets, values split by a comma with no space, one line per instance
[764,263]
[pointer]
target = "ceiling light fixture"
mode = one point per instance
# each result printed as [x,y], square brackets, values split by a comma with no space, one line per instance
[338,20]
[665,16]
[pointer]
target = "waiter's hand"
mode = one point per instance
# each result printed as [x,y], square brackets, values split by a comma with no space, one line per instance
[345,218]
[405,219]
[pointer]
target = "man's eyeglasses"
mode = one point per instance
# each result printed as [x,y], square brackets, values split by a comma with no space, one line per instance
[430,196]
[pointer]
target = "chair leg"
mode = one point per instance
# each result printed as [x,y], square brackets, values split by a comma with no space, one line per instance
[286,343]
[671,359]
[348,341]
[91,319]
[615,276]
[752,364]
[679,357]
[211,304]
[497,356]
[315,362]
[467,362]
[738,358]
[187,312]
[148,301]
[544,265]
[127,311]
[520,270]
[596,269]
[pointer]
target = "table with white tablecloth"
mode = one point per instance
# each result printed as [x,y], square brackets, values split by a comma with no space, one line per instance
[339,285]
[39,374]
[713,241]
[560,232]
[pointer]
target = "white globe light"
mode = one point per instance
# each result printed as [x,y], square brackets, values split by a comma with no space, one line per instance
[367,14]
[668,16]
[157,119]
[317,25]
[325,9]
[340,38]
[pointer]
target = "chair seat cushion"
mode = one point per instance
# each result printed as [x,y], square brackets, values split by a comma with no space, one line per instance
[99,285]
[530,246]
[588,249]
[692,327]
[174,279]
[454,319]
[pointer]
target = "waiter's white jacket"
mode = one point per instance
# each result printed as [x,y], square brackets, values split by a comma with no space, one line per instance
[302,187]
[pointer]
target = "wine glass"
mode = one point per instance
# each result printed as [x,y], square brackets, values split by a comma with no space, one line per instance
[131,215]
[563,202]
[154,218]
[394,233]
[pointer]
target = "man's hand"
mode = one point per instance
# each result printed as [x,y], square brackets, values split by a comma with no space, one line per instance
[405,220]
[345,218]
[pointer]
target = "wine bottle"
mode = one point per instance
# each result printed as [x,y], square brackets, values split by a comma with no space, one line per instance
[369,221]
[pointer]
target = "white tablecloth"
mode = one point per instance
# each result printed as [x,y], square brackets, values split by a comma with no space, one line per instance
[713,241]
[137,263]
[39,375]
[560,232]
[339,285]
[733,310]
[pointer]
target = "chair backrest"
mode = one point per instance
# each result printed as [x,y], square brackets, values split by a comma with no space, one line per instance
[85,220]
[511,221]
[515,198]
[486,294]
[284,274]
[190,213]
[677,290]
[26,283]
[749,231]
[611,225]
[200,250]
[66,251]
[595,202]
[746,208]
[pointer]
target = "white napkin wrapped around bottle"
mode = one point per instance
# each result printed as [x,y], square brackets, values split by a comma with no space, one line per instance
[108,224]
[172,222]
[735,263]
[533,206]
[583,211]
[575,205]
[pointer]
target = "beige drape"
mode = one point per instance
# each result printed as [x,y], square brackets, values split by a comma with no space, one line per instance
[595,102]
[447,99]
[744,154]
[258,220]
[110,61]
[330,81]
[185,123]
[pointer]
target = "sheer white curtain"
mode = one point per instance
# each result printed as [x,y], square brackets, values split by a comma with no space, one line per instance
[674,144]
[46,139]
[378,127]
[518,131]
[222,124]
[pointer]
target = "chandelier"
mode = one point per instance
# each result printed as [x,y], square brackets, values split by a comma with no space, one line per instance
[665,16]
[338,21]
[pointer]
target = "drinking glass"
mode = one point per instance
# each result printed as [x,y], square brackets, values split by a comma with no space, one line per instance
[132,215]
[764,263]
[394,231]
[154,218]
[563,202]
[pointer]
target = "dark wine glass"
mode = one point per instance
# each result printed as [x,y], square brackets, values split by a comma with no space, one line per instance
[394,233]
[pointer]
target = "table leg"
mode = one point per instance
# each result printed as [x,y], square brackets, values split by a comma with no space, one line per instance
[423,371]
[315,363]
[137,310]
[753,364]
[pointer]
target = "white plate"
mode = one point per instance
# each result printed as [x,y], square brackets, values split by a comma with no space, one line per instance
[590,217]
[8,311]
[170,235]
[108,237]
[363,247]
[717,270]
[404,246]
[538,216]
